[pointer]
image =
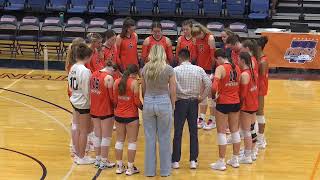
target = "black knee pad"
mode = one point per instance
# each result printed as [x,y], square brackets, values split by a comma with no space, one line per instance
[253,133]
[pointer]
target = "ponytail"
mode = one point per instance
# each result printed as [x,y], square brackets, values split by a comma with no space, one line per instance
[131,69]
[71,53]
[247,60]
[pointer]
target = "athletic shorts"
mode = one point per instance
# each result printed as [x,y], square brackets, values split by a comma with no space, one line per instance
[250,112]
[81,111]
[228,108]
[125,120]
[102,117]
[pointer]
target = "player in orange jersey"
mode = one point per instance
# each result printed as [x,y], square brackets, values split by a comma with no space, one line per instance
[205,49]
[227,85]
[127,43]
[127,102]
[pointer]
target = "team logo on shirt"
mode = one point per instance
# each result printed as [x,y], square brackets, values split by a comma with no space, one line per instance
[301,51]
[201,48]
[130,45]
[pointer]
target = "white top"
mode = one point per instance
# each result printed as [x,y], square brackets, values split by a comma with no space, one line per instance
[79,83]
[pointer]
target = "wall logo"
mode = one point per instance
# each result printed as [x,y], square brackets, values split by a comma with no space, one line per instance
[301,51]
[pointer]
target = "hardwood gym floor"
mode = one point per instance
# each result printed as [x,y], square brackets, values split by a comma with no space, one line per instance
[35,137]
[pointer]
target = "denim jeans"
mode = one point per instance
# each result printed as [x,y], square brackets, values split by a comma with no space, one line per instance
[157,121]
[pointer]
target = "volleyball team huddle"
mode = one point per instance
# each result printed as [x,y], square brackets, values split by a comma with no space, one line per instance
[108,80]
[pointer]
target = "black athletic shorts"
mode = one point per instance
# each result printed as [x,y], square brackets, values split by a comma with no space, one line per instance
[250,112]
[102,117]
[125,120]
[81,111]
[228,108]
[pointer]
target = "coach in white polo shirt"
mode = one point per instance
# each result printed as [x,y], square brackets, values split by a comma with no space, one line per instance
[190,79]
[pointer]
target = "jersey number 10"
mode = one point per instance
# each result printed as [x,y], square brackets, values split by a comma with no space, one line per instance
[73,83]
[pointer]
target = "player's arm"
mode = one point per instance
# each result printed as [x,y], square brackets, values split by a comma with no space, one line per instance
[244,88]
[169,51]
[145,50]
[136,91]
[207,85]
[178,48]
[172,89]
[115,94]
[212,44]
[217,78]
[263,68]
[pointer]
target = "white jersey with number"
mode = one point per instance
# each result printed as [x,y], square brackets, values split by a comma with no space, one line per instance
[79,82]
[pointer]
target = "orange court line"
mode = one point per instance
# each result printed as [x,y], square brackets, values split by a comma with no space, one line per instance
[315,168]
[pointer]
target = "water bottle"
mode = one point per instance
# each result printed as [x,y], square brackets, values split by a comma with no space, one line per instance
[61,15]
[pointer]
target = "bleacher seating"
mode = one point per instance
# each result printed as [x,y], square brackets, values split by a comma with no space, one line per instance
[97,25]
[28,36]
[100,6]
[259,9]
[190,7]
[122,6]
[15,5]
[8,32]
[57,5]
[212,7]
[117,25]
[144,6]
[167,7]
[240,28]
[169,29]
[51,36]
[74,28]
[37,5]
[235,8]
[78,6]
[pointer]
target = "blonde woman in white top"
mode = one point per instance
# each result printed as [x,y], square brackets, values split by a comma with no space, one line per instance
[79,81]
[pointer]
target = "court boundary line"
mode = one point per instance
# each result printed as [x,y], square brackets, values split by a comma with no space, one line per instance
[315,167]
[16,81]
[45,113]
[60,107]
[44,169]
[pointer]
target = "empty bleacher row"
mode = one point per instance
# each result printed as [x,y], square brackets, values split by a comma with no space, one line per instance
[30,36]
[253,9]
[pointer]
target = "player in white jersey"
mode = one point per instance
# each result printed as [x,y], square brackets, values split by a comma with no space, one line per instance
[79,81]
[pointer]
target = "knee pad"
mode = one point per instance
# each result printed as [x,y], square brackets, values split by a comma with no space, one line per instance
[235,137]
[261,119]
[74,127]
[222,139]
[119,145]
[96,141]
[132,146]
[246,134]
[106,141]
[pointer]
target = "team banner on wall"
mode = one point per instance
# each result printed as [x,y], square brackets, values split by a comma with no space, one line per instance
[292,50]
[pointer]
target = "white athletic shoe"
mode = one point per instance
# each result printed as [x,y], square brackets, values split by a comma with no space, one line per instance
[210,125]
[107,164]
[254,154]
[229,139]
[262,143]
[97,163]
[120,169]
[201,123]
[234,162]
[85,160]
[175,165]
[219,165]
[193,165]
[245,159]
[132,171]
[241,152]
